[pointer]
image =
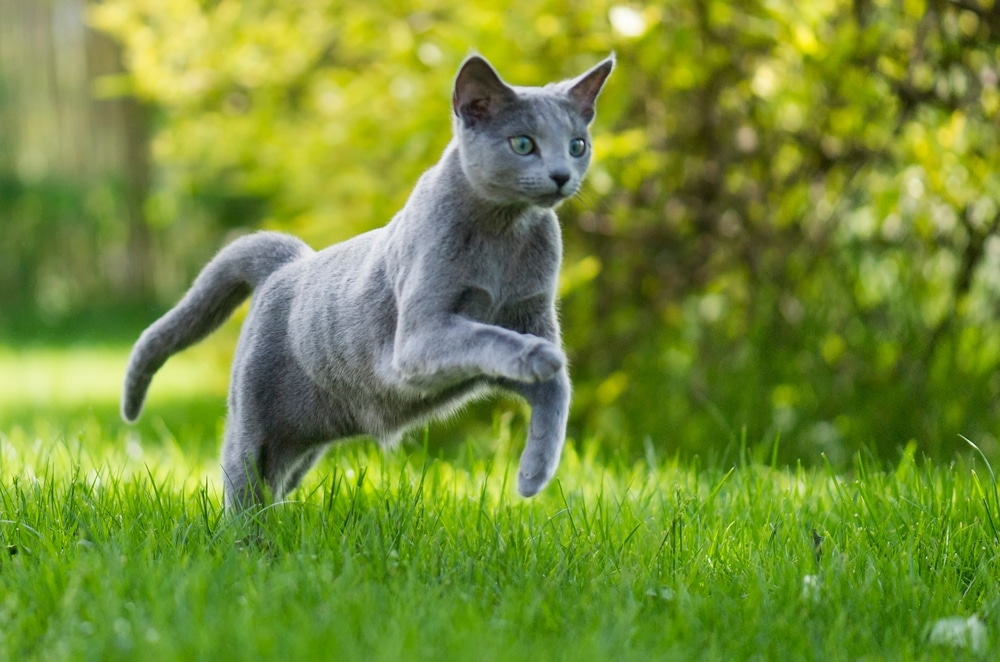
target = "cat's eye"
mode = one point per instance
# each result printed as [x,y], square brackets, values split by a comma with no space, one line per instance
[522,145]
[577,147]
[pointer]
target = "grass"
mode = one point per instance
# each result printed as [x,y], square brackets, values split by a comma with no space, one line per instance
[117,548]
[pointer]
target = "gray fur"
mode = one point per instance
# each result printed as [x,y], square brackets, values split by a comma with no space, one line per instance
[456,296]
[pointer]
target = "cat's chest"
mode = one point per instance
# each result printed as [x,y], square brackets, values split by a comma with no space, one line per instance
[489,306]
[501,286]
[517,313]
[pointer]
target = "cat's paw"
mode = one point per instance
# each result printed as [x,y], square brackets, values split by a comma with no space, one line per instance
[535,471]
[541,362]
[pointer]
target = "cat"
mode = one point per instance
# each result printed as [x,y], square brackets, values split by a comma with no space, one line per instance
[453,298]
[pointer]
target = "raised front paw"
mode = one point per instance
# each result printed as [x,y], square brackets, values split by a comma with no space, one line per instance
[541,362]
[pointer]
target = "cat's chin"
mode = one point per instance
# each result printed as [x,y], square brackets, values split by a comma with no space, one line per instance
[524,199]
[550,201]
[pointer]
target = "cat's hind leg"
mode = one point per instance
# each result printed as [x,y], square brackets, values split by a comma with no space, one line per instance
[277,425]
[243,461]
[301,467]
[257,469]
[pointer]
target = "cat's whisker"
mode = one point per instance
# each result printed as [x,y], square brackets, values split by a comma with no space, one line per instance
[579,197]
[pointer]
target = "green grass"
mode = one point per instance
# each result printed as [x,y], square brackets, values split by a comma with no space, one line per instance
[117,548]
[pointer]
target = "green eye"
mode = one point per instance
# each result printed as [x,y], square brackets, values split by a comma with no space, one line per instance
[522,145]
[577,147]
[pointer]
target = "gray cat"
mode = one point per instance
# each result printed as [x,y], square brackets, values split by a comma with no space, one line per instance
[453,298]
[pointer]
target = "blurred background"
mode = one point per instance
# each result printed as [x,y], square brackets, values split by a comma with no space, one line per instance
[789,233]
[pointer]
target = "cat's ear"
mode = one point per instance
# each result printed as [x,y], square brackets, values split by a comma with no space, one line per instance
[585,88]
[479,92]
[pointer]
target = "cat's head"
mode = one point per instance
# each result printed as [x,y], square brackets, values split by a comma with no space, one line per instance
[524,145]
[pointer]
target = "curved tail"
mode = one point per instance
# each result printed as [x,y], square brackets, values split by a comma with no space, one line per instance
[221,286]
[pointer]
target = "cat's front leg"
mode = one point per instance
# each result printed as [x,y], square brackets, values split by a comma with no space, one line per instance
[454,348]
[549,401]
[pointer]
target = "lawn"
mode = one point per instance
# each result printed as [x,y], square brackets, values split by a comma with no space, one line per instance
[115,545]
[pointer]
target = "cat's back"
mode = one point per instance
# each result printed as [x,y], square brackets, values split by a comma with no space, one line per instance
[341,309]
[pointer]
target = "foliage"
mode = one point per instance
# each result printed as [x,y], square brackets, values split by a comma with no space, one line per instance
[790,226]
[52,224]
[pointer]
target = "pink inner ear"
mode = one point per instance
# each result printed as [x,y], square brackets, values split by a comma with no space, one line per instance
[478,109]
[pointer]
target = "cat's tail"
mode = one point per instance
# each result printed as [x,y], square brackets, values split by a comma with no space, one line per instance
[222,285]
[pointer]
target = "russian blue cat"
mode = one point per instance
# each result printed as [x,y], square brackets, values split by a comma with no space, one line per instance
[454,297]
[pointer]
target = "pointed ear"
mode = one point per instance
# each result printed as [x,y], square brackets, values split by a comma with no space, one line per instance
[479,92]
[584,89]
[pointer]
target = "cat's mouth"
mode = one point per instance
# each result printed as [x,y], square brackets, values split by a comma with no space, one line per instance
[553,198]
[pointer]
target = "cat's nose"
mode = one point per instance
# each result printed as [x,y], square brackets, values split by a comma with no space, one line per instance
[560,177]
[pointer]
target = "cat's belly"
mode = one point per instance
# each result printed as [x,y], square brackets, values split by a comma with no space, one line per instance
[388,417]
